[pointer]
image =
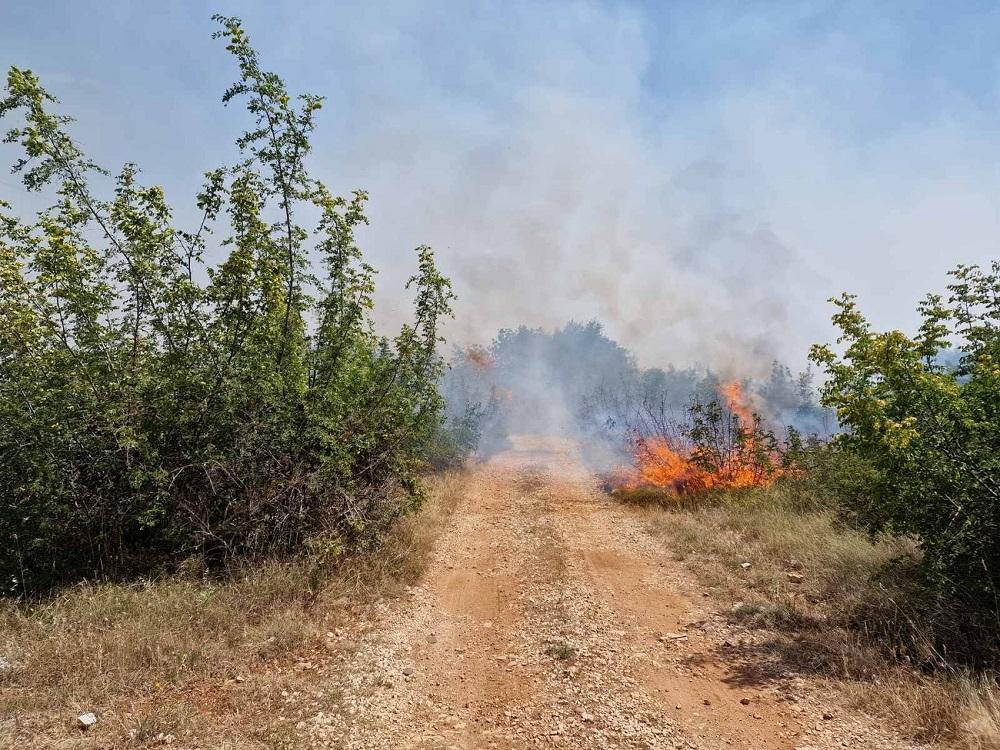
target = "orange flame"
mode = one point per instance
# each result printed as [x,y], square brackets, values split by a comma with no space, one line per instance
[737,402]
[479,357]
[658,463]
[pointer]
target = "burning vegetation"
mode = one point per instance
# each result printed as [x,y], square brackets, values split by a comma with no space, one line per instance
[675,431]
[724,446]
[479,357]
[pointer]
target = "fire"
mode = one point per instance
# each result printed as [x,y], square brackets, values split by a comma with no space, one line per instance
[658,464]
[479,357]
[661,463]
[736,401]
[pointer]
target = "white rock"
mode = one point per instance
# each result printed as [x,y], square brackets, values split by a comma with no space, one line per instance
[86,721]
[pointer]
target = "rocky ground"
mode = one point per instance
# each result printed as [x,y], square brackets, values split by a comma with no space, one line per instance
[549,618]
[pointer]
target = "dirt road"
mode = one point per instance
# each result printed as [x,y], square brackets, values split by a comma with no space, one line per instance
[549,618]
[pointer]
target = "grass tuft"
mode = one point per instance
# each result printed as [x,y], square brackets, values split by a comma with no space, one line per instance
[147,655]
[839,604]
[562,651]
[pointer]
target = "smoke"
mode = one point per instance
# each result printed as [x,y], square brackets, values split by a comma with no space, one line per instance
[550,195]
[576,382]
[699,180]
[698,176]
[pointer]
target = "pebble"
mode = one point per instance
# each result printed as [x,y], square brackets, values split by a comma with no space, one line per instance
[86,721]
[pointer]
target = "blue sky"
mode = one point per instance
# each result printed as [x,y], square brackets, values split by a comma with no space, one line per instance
[700,176]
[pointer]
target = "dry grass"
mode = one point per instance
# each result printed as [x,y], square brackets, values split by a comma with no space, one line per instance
[844,619]
[159,658]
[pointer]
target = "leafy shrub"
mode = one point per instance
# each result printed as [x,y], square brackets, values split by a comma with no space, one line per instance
[154,406]
[457,438]
[826,474]
[929,430]
[739,450]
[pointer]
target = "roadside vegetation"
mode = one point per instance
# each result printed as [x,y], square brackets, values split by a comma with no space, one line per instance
[208,456]
[194,660]
[872,557]
[160,410]
[837,603]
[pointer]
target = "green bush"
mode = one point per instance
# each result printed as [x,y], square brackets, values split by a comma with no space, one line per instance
[827,474]
[457,438]
[928,430]
[155,406]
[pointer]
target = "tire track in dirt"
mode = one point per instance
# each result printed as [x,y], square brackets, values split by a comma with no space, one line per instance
[549,618]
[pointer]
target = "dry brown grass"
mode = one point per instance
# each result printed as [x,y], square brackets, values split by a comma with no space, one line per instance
[846,620]
[202,660]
